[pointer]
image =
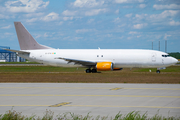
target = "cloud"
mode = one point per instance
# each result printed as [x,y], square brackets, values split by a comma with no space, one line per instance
[25,5]
[60,23]
[78,38]
[166,35]
[6,27]
[32,20]
[90,21]
[51,17]
[117,20]
[4,16]
[67,18]
[34,14]
[165,14]
[129,38]
[171,6]
[157,17]
[69,13]
[128,15]
[117,11]
[133,32]
[128,1]
[95,12]
[108,35]
[87,3]
[122,25]
[142,5]
[8,33]
[139,26]
[138,36]
[38,36]
[84,30]
[173,23]
[142,16]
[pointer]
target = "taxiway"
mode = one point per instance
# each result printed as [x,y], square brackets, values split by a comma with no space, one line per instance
[98,99]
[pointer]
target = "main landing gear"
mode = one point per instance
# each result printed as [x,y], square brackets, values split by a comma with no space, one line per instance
[157,71]
[91,71]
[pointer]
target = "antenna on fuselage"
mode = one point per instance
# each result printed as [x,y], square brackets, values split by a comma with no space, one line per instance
[166,46]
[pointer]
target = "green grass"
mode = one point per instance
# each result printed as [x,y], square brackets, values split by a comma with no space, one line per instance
[168,69]
[49,115]
[38,69]
[64,69]
[19,63]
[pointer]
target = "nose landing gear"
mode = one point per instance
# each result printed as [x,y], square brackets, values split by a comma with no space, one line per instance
[158,69]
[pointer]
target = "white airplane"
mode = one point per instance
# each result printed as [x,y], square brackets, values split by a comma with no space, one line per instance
[93,59]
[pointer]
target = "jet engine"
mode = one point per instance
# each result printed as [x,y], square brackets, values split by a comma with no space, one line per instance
[104,66]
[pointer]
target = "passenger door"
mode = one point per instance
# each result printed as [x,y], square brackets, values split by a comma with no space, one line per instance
[153,57]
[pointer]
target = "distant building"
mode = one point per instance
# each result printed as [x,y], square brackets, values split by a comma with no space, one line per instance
[8,56]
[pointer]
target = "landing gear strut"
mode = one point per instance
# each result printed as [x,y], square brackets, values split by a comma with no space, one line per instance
[89,71]
[94,71]
[157,71]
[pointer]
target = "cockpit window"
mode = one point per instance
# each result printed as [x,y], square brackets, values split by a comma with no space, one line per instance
[165,55]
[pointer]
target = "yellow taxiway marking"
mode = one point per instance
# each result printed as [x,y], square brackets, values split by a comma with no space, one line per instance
[91,106]
[116,88]
[50,95]
[60,104]
[86,88]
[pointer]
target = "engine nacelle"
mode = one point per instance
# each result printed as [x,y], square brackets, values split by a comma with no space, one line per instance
[104,66]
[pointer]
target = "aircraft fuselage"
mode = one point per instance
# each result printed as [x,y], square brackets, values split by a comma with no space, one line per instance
[121,58]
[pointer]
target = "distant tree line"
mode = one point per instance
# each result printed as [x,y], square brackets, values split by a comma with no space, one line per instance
[175,54]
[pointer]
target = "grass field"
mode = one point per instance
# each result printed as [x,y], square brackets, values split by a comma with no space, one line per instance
[19,63]
[49,115]
[74,75]
[62,69]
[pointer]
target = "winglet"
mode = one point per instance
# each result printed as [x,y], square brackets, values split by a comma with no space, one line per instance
[26,41]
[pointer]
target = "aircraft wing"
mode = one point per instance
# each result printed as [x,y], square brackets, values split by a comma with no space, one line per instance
[17,51]
[81,62]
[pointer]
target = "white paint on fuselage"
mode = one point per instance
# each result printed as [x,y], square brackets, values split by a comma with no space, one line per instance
[122,58]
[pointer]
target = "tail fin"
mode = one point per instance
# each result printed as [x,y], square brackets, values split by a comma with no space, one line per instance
[26,41]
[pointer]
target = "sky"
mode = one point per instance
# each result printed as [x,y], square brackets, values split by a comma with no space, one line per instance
[89,24]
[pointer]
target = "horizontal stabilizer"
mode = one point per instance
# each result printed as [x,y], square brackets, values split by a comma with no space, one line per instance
[17,51]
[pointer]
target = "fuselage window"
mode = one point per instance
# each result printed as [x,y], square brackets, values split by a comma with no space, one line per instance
[97,55]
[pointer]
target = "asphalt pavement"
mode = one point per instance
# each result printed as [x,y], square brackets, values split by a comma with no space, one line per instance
[102,99]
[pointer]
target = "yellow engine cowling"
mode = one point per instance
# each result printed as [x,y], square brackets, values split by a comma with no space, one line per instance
[104,66]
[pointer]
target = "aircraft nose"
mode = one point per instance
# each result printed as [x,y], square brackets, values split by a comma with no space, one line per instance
[174,60]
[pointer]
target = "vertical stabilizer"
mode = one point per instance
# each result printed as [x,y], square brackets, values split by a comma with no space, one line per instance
[26,41]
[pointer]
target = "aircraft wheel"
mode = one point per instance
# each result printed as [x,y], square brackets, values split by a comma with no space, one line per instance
[94,71]
[157,71]
[88,70]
